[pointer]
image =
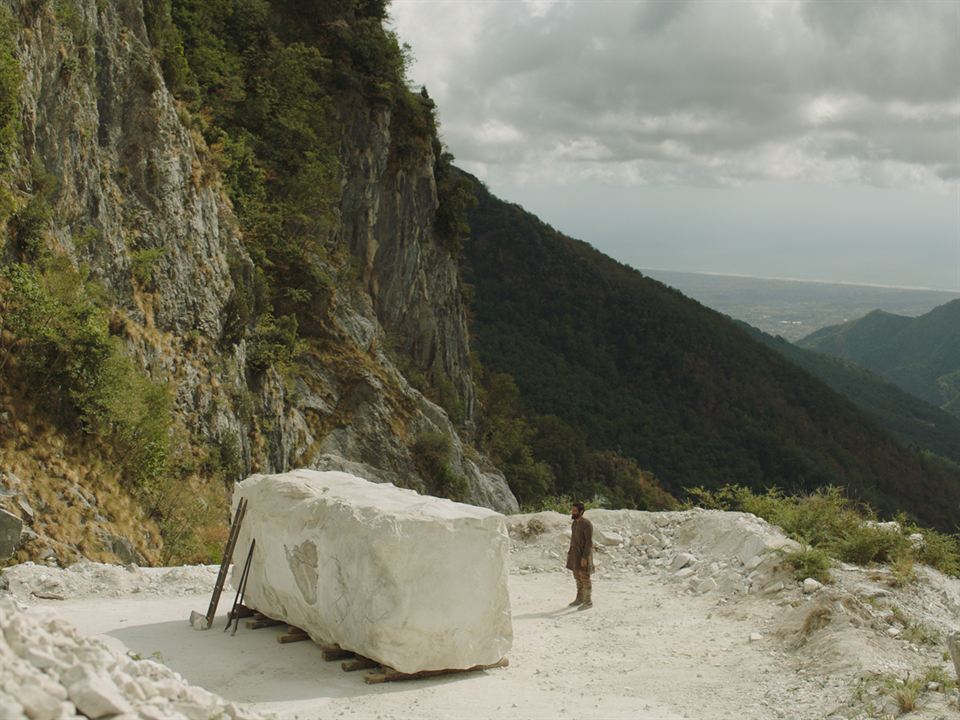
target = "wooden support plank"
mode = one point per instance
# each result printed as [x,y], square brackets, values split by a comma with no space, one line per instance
[257,624]
[293,635]
[358,663]
[391,675]
[335,652]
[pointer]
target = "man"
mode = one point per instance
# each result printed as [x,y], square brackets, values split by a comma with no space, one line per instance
[580,556]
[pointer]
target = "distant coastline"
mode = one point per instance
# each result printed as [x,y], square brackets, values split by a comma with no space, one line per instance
[794,308]
[845,283]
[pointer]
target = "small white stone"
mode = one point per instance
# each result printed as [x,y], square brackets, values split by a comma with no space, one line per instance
[9,708]
[756,637]
[811,586]
[192,711]
[649,539]
[681,561]
[132,690]
[609,538]
[893,631]
[152,712]
[198,621]
[706,585]
[169,689]
[37,704]
[96,696]
[773,588]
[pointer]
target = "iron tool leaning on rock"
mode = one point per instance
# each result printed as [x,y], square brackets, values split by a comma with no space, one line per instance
[580,556]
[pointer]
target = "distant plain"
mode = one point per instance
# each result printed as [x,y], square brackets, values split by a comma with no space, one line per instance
[793,309]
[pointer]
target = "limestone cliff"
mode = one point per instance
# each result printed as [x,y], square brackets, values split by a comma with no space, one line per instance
[138,202]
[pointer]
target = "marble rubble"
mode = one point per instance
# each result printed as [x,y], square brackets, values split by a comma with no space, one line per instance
[50,671]
[412,581]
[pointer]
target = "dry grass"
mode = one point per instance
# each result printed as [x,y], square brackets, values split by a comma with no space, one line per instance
[920,634]
[75,496]
[817,619]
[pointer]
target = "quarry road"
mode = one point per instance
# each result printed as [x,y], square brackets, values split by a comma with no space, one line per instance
[644,651]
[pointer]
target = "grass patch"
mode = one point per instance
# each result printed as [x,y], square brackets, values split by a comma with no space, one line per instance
[907,692]
[558,503]
[533,528]
[55,338]
[62,348]
[809,562]
[921,634]
[902,572]
[433,455]
[830,522]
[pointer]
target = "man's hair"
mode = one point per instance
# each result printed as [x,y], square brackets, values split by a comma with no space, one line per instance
[578,506]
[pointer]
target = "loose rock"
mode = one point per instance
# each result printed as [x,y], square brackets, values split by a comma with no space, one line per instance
[10,529]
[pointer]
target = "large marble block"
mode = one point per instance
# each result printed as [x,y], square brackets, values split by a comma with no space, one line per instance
[412,581]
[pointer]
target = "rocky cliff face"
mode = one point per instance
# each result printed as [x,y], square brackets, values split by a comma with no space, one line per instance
[415,285]
[138,201]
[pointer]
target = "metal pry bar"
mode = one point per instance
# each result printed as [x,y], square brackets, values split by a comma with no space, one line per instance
[234,616]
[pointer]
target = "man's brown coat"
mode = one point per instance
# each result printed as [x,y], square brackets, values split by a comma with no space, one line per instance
[581,544]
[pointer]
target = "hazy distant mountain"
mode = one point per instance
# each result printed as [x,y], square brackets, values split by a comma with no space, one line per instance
[916,422]
[920,355]
[644,371]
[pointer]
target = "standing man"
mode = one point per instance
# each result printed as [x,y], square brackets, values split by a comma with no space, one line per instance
[580,556]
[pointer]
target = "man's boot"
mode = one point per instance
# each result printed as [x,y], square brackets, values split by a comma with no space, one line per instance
[579,598]
[587,599]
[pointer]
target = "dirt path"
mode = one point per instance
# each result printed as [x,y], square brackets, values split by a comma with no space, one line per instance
[643,651]
[696,617]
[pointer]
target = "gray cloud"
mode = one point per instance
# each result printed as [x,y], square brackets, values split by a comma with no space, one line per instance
[700,93]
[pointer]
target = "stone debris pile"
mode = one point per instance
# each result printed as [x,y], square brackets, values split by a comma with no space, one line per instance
[704,550]
[50,671]
[91,579]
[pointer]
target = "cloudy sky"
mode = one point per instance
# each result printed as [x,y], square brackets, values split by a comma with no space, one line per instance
[785,138]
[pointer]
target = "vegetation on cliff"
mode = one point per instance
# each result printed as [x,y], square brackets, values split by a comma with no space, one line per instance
[265,83]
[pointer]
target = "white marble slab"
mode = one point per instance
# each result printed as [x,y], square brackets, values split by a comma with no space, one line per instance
[412,581]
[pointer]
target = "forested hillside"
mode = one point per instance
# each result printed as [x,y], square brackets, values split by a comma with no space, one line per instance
[914,421]
[683,391]
[920,355]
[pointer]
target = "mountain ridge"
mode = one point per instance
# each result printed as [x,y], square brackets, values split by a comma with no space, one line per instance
[920,355]
[913,420]
[660,378]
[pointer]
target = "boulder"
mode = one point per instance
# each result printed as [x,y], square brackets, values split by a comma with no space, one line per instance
[681,560]
[10,528]
[953,643]
[123,548]
[650,540]
[411,581]
[608,538]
